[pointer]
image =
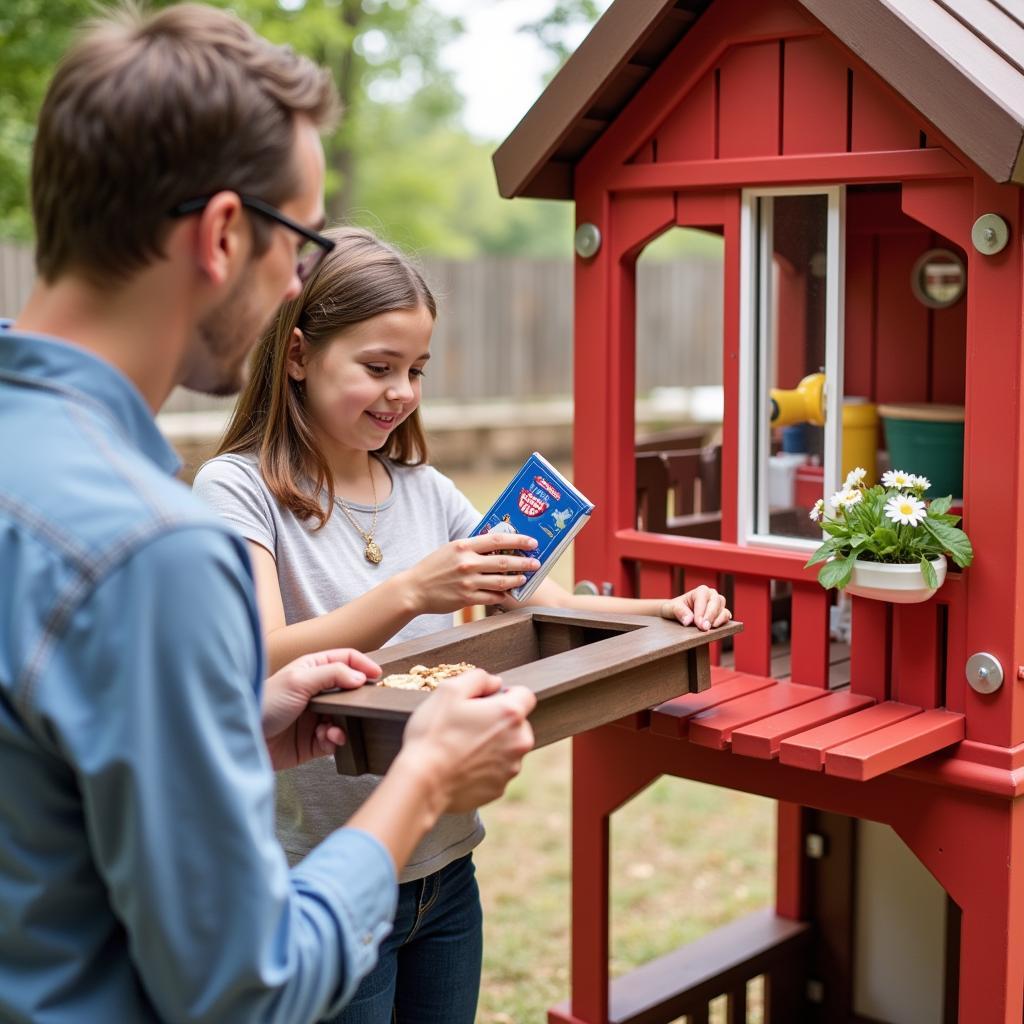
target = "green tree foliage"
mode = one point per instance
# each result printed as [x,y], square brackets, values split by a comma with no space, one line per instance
[399,162]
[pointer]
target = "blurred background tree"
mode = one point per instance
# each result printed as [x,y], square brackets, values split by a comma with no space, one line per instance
[401,161]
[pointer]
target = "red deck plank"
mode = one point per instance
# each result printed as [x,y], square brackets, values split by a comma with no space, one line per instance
[672,718]
[713,728]
[878,752]
[762,739]
[807,749]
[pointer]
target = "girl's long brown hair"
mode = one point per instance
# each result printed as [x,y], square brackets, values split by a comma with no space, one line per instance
[362,277]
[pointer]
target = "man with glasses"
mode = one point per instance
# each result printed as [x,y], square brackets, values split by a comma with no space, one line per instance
[177,179]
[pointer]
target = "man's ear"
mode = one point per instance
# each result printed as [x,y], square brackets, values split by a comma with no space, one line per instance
[224,238]
[298,355]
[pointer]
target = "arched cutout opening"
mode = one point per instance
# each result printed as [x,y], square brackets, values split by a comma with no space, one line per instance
[679,405]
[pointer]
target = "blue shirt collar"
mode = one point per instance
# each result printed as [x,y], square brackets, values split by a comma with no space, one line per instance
[51,363]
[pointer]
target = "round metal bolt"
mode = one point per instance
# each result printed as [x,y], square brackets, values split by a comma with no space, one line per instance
[990,234]
[984,672]
[586,587]
[587,240]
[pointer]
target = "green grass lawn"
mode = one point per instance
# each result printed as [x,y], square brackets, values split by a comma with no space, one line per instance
[686,858]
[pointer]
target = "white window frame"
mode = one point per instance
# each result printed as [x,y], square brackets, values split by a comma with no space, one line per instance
[754,402]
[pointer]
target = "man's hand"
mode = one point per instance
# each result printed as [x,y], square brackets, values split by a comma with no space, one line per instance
[702,607]
[469,738]
[295,735]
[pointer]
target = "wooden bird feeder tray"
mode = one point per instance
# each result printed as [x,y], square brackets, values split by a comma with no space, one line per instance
[587,669]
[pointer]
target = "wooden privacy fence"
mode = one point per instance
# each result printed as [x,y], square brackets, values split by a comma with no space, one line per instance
[505,326]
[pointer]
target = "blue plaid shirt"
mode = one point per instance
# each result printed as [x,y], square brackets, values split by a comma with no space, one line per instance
[139,874]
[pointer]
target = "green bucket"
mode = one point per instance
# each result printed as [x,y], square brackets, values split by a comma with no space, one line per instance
[927,440]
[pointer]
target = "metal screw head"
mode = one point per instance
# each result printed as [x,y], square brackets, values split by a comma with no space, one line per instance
[984,672]
[586,587]
[587,240]
[990,234]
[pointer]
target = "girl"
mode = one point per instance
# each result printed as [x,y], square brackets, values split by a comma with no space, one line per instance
[356,540]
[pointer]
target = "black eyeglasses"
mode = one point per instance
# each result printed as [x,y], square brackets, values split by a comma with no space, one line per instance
[313,250]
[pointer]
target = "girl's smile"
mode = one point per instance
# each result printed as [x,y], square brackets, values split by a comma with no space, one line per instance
[387,421]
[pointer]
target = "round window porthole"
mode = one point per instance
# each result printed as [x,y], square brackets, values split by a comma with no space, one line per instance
[939,278]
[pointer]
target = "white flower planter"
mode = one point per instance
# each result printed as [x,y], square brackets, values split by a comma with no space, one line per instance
[896,582]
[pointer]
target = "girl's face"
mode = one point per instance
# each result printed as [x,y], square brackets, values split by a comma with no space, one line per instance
[364,382]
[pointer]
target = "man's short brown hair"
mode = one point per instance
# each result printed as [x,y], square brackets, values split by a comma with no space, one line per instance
[144,113]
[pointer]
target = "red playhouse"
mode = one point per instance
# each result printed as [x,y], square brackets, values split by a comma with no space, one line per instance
[857,163]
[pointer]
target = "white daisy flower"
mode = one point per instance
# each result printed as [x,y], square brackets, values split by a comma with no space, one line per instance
[905,509]
[818,510]
[851,497]
[896,478]
[836,501]
[920,483]
[855,477]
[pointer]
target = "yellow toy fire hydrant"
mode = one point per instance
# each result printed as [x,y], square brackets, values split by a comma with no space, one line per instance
[806,404]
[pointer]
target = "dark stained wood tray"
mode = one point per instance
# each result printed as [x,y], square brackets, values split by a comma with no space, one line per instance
[586,668]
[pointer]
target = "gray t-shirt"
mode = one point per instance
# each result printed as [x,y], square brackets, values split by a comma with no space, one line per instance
[320,570]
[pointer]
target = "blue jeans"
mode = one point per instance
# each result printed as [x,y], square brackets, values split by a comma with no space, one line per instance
[429,967]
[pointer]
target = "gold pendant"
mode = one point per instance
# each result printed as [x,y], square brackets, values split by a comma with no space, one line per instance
[373,552]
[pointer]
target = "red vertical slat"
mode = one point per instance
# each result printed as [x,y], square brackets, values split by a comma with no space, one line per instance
[731,364]
[814,98]
[809,645]
[748,102]
[871,635]
[902,326]
[593,335]
[754,609]
[590,872]
[688,133]
[915,654]
[654,580]
[880,121]
[859,339]
[949,354]
[954,593]
[993,481]
[789,850]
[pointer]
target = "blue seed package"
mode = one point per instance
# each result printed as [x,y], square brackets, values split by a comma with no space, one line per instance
[538,502]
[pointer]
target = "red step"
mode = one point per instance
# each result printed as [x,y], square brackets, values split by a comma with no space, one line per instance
[807,749]
[672,718]
[714,727]
[762,739]
[885,749]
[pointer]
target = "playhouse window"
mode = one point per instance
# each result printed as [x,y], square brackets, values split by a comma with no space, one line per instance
[791,360]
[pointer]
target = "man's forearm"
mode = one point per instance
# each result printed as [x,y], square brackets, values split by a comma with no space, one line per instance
[403,808]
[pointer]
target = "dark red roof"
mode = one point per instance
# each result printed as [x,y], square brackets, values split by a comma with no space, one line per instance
[959,62]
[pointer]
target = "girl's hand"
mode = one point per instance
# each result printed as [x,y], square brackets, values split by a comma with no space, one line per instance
[479,570]
[702,607]
[293,734]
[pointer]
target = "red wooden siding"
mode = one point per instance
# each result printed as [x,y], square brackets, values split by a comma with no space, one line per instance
[878,120]
[896,349]
[814,101]
[797,94]
[748,104]
[689,131]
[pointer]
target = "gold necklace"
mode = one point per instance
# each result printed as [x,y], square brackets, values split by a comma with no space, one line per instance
[372,552]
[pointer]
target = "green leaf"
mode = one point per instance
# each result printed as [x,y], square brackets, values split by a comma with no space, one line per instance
[928,572]
[826,550]
[884,536]
[952,540]
[837,573]
[835,529]
[940,506]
